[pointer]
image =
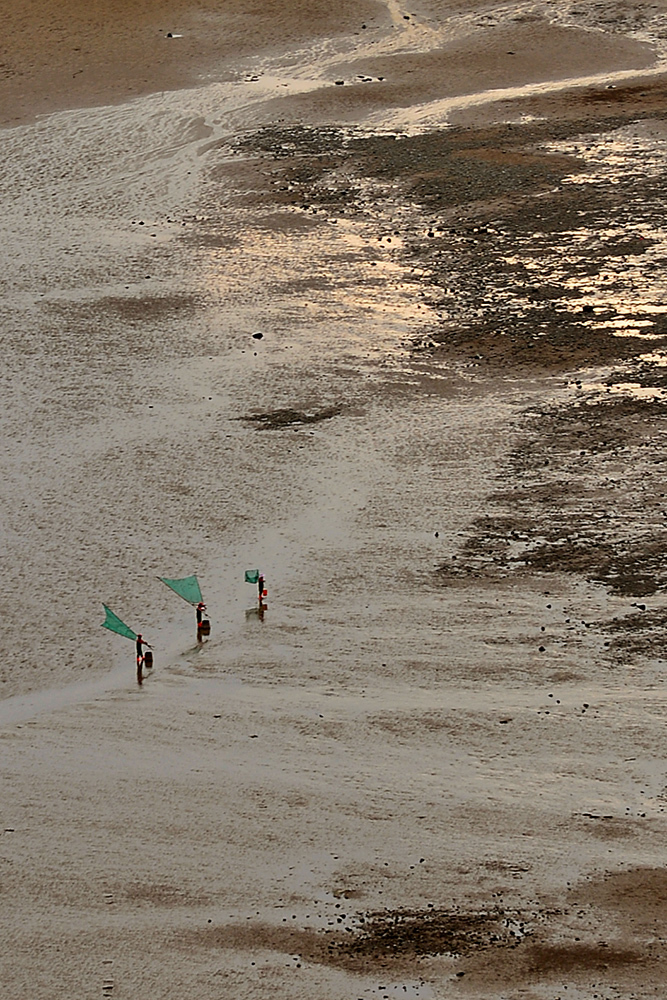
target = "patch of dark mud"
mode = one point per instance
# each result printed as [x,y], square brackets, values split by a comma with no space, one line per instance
[542,284]
[606,925]
[579,494]
[443,169]
[643,375]
[384,938]
[548,959]
[284,142]
[120,326]
[607,827]
[554,966]
[550,337]
[642,98]
[637,897]
[638,633]
[254,936]
[509,250]
[132,310]
[467,168]
[410,934]
[279,419]
[441,166]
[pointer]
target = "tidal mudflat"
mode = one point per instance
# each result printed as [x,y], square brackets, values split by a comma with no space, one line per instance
[372,299]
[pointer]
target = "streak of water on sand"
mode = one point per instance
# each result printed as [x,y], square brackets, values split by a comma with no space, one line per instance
[20,708]
[422,117]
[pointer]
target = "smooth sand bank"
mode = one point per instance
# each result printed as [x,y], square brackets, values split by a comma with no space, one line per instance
[75,54]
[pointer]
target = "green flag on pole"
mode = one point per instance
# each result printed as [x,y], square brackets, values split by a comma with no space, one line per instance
[114,624]
[252,576]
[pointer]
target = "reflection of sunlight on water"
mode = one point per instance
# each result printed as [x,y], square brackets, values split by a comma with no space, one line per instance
[631,390]
[615,262]
[619,155]
[329,289]
[632,281]
[656,358]
[627,331]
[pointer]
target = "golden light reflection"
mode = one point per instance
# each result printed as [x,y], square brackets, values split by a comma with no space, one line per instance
[618,270]
[624,389]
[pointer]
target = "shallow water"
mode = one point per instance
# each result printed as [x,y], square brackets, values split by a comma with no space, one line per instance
[421,714]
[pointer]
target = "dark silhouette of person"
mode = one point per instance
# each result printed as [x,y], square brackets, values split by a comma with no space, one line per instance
[141,642]
[201,608]
[260,587]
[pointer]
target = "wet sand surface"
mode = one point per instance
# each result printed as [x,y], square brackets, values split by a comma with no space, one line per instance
[434,766]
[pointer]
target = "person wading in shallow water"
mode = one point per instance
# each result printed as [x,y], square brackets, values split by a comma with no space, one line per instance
[140,657]
[201,608]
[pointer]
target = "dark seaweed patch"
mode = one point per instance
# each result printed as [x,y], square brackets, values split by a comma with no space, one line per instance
[408,933]
[278,419]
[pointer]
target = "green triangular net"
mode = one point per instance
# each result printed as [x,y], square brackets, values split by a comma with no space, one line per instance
[186,587]
[114,624]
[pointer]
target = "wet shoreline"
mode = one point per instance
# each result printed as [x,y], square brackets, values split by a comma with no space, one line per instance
[435,763]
